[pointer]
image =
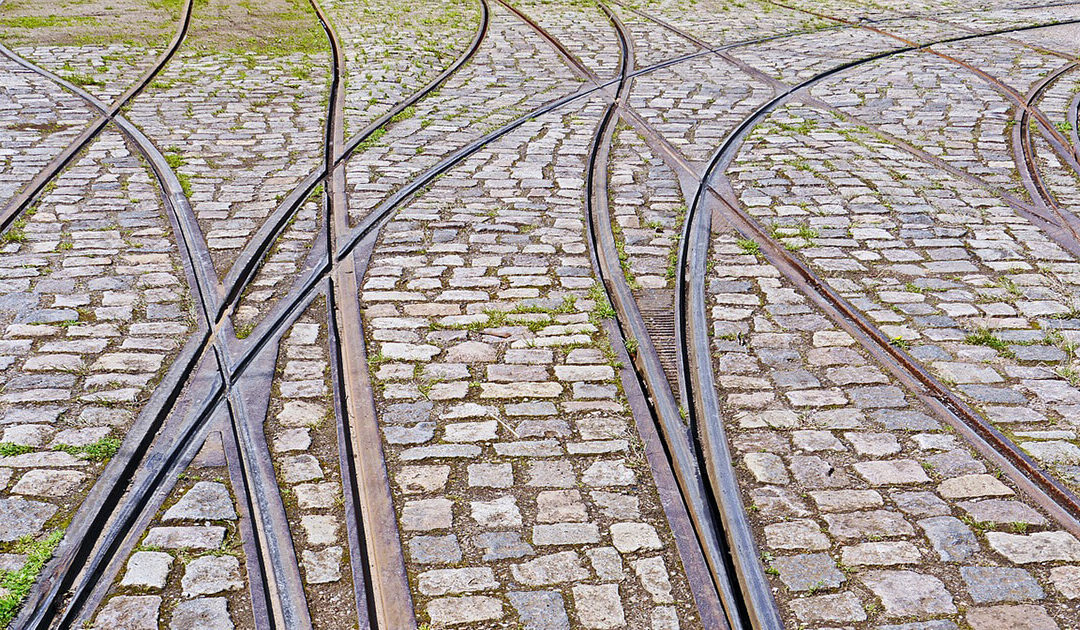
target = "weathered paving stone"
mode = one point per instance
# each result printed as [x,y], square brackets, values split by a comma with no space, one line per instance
[205,501]
[989,585]
[132,612]
[149,569]
[203,537]
[458,610]
[950,538]
[1037,547]
[210,613]
[20,517]
[540,610]
[513,463]
[210,575]
[843,607]
[808,572]
[907,593]
[1022,617]
[599,606]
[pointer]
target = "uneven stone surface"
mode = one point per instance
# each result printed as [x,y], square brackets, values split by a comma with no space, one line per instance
[858,165]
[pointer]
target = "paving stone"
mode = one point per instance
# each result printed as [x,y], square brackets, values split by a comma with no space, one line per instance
[20,517]
[989,585]
[796,534]
[319,529]
[491,475]
[316,495]
[767,468]
[540,610]
[908,593]
[846,500]
[901,471]
[130,612]
[880,554]
[209,613]
[970,486]
[501,545]
[920,504]
[210,575]
[555,568]
[205,537]
[147,569]
[447,581]
[808,572]
[205,501]
[882,523]
[458,610]
[1066,580]
[841,607]
[48,483]
[1037,547]
[1020,617]
[599,606]
[608,473]
[323,566]
[499,513]
[434,549]
[427,514]
[415,479]
[554,506]
[653,574]
[632,537]
[950,538]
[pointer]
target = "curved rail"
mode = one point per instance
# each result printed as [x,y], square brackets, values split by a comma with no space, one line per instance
[1024,154]
[22,200]
[168,394]
[243,270]
[715,591]
[992,444]
[1074,120]
[312,282]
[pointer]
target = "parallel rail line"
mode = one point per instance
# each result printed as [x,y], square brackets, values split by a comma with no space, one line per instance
[215,364]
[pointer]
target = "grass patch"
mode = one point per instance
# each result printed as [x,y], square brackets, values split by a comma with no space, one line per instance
[99,451]
[81,79]
[750,246]
[175,160]
[983,337]
[602,309]
[10,449]
[18,583]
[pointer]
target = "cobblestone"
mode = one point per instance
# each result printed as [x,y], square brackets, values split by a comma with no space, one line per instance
[522,490]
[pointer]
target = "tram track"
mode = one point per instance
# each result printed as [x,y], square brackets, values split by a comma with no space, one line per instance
[1043,487]
[17,204]
[253,458]
[1047,491]
[340,244]
[1024,153]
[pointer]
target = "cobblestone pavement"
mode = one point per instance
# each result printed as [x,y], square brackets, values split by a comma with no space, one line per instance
[318,330]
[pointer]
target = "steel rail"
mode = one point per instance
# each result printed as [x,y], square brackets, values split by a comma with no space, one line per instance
[1074,120]
[287,602]
[286,311]
[364,474]
[17,204]
[1058,500]
[253,253]
[714,592]
[1024,153]
[681,456]
[177,376]
[1060,144]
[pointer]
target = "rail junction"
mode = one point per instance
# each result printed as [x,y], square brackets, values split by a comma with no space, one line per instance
[542,314]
